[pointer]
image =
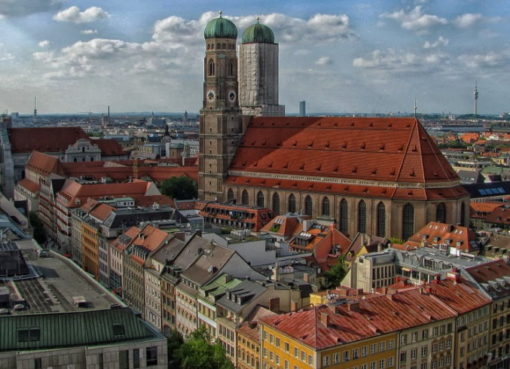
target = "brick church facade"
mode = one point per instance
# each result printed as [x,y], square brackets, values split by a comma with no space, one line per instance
[381,176]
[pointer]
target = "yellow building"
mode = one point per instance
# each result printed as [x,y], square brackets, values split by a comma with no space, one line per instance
[90,248]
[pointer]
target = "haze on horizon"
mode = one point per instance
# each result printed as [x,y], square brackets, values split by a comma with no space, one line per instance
[350,56]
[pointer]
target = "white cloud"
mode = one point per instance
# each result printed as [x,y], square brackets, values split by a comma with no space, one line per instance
[397,61]
[19,8]
[6,57]
[441,41]
[74,15]
[415,19]
[324,60]
[89,32]
[43,44]
[471,19]
[490,60]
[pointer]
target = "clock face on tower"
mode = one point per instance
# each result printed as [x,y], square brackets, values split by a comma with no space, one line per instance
[211,95]
[232,96]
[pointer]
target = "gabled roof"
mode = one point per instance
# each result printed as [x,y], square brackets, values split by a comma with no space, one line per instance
[44,164]
[29,185]
[109,147]
[210,262]
[435,233]
[46,139]
[376,149]
[284,225]
[494,277]
[102,211]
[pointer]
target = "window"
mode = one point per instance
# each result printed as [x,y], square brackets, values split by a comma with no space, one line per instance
[100,361]
[362,217]
[462,214]
[211,67]
[296,352]
[291,205]
[152,355]
[325,207]
[441,213]
[260,199]
[124,359]
[277,342]
[231,69]
[308,205]
[407,221]
[343,216]
[381,220]
[276,203]
[29,335]
[136,358]
[286,347]
[38,363]
[245,198]
[230,195]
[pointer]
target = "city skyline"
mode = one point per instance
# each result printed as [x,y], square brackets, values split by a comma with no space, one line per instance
[371,57]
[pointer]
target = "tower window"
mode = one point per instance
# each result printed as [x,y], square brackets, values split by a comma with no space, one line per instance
[231,69]
[211,68]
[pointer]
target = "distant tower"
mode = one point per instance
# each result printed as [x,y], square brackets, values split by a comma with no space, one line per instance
[258,72]
[35,107]
[415,108]
[475,95]
[302,108]
[185,117]
[108,119]
[221,125]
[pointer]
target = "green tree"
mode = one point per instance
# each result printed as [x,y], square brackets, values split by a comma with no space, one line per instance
[180,188]
[174,343]
[39,231]
[336,273]
[198,353]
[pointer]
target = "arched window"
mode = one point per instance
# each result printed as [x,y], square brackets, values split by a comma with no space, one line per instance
[381,220]
[441,213]
[343,221]
[308,205]
[231,69]
[230,195]
[211,67]
[276,203]
[362,217]
[462,214]
[260,199]
[291,204]
[245,200]
[407,221]
[325,207]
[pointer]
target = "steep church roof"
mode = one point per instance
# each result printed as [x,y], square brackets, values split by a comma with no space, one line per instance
[389,150]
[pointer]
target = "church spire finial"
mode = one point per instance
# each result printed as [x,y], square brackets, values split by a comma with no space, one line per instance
[258,19]
[221,13]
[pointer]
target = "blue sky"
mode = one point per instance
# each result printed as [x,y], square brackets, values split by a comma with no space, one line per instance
[339,55]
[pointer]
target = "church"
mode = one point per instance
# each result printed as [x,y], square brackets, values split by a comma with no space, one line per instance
[381,176]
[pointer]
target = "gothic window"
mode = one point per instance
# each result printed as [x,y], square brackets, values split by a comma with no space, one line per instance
[276,203]
[325,207]
[291,207]
[362,217]
[244,198]
[260,199]
[308,205]
[230,195]
[462,214]
[441,213]
[381,220]
[231,69]
[343,221]
[407,221]
[211,67]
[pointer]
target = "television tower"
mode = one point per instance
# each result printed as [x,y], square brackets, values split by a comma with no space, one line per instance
[35,107]
[475,95]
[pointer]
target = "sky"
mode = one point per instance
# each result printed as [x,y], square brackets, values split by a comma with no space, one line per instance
[341,56]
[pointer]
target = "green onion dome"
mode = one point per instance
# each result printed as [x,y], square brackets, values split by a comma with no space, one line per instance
[258,33]
[220,28]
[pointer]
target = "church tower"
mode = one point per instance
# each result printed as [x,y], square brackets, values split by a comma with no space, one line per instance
[258,72]
[221,125]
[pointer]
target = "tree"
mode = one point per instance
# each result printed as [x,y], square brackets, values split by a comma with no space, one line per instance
[39,231]
[198,353]
[335,275]
[174,343]
[180,188]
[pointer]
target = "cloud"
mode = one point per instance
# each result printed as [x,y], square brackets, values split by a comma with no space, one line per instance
[415,19]
[89,32]
[441,41]
[44,43]
[74,15]
[491,60]
[391,60]
[471,19]
[19,8]
[6,57]
[324,60]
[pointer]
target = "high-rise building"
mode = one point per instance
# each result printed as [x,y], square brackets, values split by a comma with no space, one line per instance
[258,72]
[302,108]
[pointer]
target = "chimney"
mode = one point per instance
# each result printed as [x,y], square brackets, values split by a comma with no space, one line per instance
[324,318]
[274,305]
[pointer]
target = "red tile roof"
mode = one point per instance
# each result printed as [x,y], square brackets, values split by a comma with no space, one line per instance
[47,139]
[484,207]
[500,215]
[284,226]
[102,211]
[44,164]
[435,233]
[29,185]
[109,147]
[378,149]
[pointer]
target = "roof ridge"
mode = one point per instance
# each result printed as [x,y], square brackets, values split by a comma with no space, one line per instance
[405,154]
